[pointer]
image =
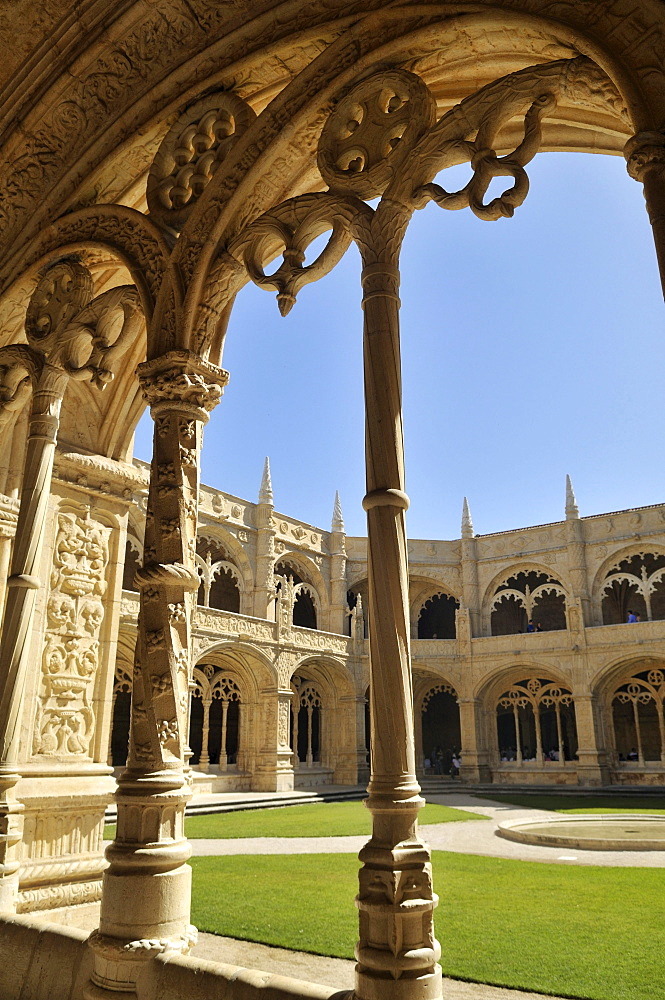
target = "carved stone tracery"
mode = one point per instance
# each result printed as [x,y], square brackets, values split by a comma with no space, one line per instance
[64,723]
[192,151]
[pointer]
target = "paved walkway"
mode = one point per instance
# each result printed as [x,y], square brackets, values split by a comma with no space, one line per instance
[471,837]
[333,972]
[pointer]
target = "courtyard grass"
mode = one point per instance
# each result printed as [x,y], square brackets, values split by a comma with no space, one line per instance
[560,802]
[318,819]
[579,931]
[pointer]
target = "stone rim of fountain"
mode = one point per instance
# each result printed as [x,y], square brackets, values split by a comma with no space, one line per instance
[564,831]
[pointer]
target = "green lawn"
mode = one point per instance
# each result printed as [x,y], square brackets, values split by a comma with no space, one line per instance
[579,931]
[319,819]
[560,802]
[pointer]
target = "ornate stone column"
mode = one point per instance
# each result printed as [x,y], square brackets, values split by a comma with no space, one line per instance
[61,328]
[475,757]
[146,896]
[285,755]
[204,756]
[397,953]
[592,762]
[645,157]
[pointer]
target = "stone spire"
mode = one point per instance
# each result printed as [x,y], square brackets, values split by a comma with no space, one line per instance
[572,510]
[265,492]
[467,523]
[337,519]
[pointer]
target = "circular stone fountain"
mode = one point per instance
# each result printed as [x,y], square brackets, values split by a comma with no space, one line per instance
[607,832]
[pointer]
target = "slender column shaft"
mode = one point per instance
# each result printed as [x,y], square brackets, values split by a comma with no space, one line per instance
[661,728]
[204,758]
[539,738]
[22,586]
[223,758]
[518,740]
[645,155]
[24,580]
[397,949]
[309,757]
[638,731]
[296,714]
[559,731]
[241,738]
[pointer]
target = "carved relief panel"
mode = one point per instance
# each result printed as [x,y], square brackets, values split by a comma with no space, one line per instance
[64,723]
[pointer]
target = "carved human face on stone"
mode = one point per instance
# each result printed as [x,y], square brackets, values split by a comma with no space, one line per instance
[80,556]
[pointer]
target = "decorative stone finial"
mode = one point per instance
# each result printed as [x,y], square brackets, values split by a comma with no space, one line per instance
[265,493]
[572,510]
[467,523]
[337,519]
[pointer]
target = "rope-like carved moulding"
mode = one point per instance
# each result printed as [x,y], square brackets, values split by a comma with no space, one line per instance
[191,152]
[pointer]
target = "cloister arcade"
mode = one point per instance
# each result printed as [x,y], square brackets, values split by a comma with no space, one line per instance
[156,158]
[538,702]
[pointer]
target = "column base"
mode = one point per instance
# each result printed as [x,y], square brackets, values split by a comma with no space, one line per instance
[592,768]
[372,987]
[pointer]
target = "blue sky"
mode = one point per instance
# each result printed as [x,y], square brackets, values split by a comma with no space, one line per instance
[531,347]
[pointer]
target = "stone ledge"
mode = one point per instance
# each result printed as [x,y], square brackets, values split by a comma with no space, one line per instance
[50,960]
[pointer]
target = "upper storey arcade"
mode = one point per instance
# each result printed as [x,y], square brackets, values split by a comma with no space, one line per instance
[578,572]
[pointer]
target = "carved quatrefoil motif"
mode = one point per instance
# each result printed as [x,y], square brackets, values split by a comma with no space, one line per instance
[191,152]
[372,130]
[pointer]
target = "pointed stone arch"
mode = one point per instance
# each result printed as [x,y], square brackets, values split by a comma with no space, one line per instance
[617,587]
[522,591]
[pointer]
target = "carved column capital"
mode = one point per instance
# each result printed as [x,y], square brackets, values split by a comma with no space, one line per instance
[182,380]
[644,153]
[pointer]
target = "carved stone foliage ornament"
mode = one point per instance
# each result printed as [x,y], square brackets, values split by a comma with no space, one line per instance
[70,335]
[191,152]
[382,139]
[64,724]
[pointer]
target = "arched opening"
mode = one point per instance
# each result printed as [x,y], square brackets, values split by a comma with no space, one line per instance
[196,712]
[535,723]
[132,563]
[638,718]
[441,735]
[215,719]
[529,601]
[299,593]
[224,721]
[358,619]
[224,593]
[306,722]
[219,577]
[120,721]
[437,617]
[634,589]
[304,611]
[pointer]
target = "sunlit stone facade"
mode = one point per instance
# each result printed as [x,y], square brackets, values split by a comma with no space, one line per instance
[156,156]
